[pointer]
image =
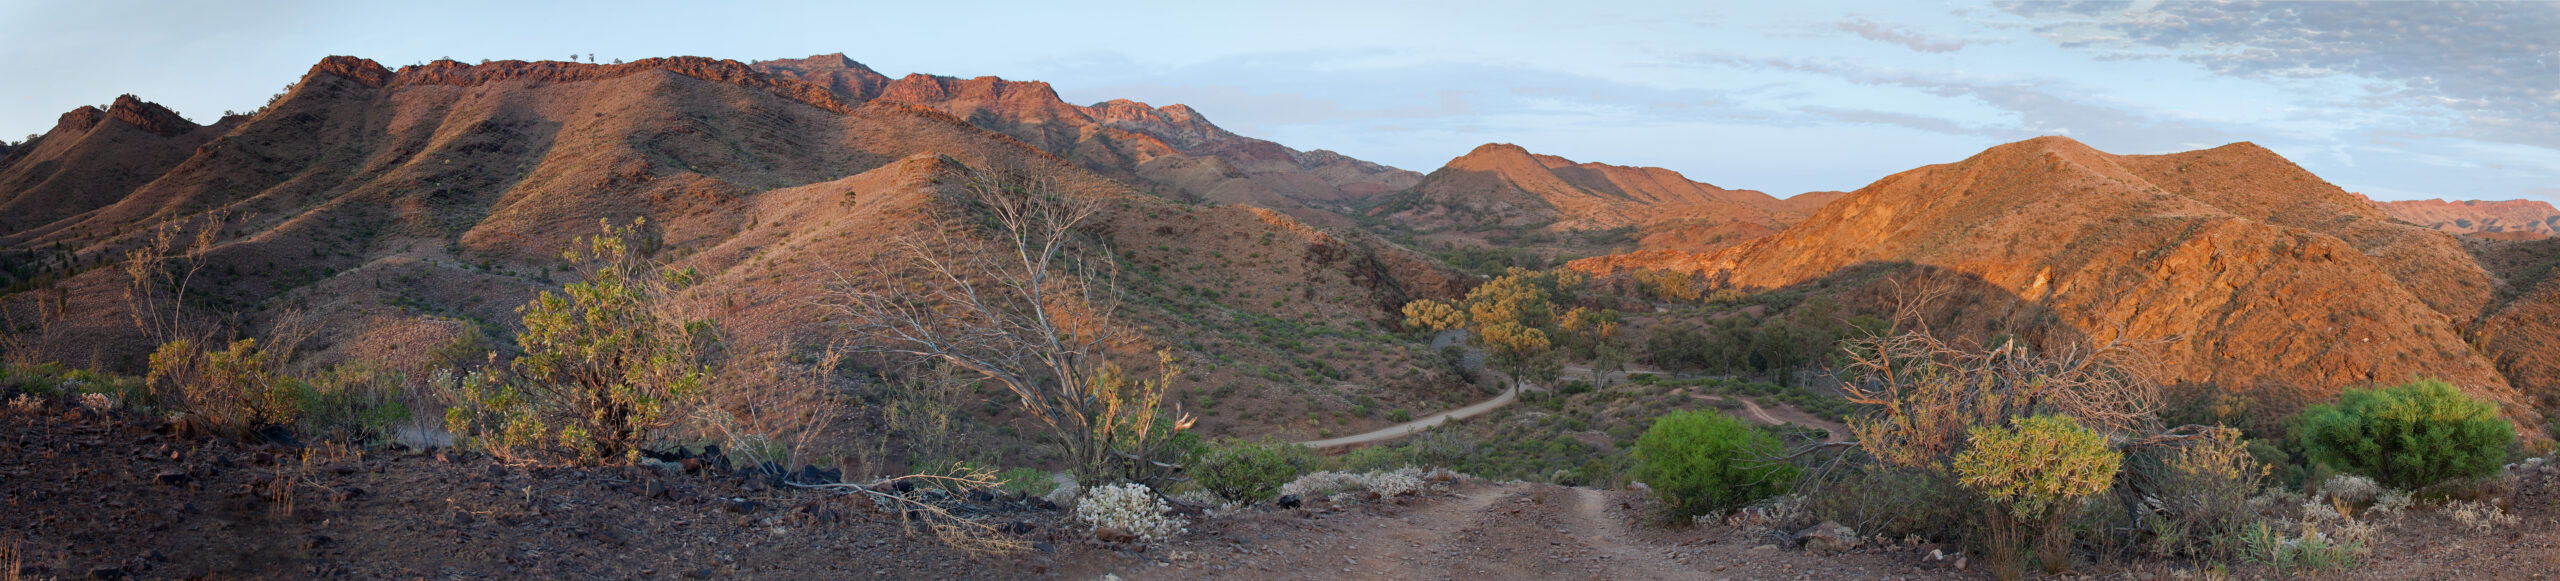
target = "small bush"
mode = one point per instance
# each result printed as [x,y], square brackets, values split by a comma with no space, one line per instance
[353,402]
[2351,489]
[1383,482]
[2311,550]
[1894,502]
[1250,473]
[1131,508]
[2201,491]
[2039,471]
[1027,482]
[2481,516]
[237,389]
[606,366]
[2408,437]
[1700,462]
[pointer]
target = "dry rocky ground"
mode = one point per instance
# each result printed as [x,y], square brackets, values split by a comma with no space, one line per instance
[101,496]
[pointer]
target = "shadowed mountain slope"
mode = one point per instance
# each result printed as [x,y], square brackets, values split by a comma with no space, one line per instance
[400,209]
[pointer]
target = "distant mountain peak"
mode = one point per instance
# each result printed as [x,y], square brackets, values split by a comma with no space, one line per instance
[2512,218]
[1504,184]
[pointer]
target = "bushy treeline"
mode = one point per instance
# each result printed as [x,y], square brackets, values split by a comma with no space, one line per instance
[1807,336]
[2041,459]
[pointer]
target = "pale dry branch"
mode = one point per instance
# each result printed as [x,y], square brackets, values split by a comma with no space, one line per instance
[1928,392]
[159,272]
[1014,294]
[971,536]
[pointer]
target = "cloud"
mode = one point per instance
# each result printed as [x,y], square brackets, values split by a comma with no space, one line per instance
[2492,66]
[1886,33]
[1905,120]
[1261,92]
[2042,106]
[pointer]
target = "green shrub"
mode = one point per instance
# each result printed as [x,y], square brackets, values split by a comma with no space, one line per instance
[2038,472]
[1700,462]
[1250,472]
[352,402]
[604,363]
[1893,502]
[236,390]
[2200,491]
[1027,481]
[2409,436]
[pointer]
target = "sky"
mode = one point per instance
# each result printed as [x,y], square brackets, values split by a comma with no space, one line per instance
[2398,100]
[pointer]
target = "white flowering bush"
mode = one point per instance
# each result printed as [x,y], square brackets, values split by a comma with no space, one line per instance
[1132,508]
[2351,488]
[1397,482]
[1318,483]
[98,402]
[1204,498]
[1400,481]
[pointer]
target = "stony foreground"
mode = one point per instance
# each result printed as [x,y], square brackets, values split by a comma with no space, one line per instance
[88,496]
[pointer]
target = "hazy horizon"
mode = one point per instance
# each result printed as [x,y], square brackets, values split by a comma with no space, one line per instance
[2398,101]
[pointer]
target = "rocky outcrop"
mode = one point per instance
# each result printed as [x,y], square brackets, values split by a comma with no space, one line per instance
[456,73]
[1173,147]
[850,81]
[2219,258]
[149,116]
[78,120]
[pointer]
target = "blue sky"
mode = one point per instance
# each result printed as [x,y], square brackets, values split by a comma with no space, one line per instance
[2397,100]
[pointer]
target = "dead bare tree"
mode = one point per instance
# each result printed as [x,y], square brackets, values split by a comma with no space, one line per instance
[1928,391]
[1006,287]
[158,272]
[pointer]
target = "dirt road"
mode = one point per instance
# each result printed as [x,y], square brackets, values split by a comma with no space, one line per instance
[1503,531]
[1416,426]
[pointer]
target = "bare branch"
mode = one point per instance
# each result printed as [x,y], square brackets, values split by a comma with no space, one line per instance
[1006,287]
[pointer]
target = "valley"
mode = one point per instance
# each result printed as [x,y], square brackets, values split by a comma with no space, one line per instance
[796,318]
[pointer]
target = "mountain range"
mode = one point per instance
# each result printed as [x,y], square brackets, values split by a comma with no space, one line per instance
[411,209]
[2231,266]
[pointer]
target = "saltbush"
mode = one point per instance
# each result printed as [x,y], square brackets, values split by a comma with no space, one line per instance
[1701,461]
[1249,473]
[1131,508]
[1383,482]
[2407,437]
